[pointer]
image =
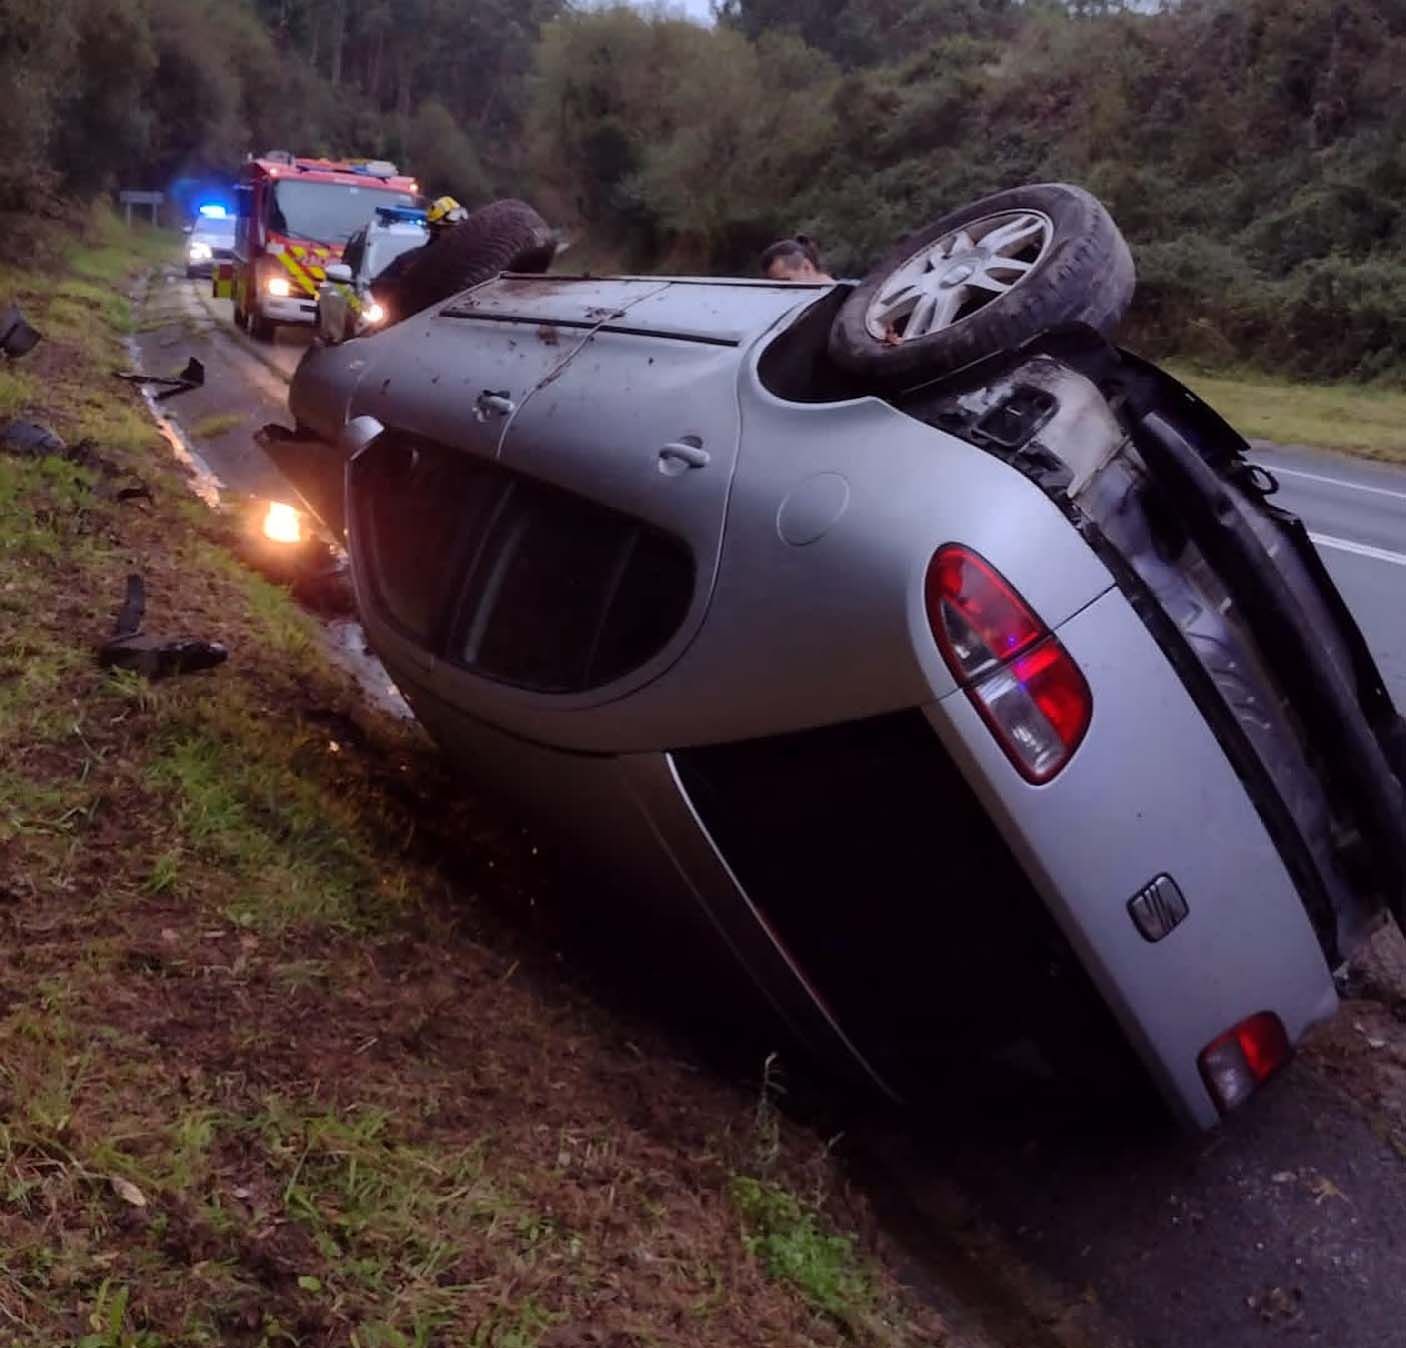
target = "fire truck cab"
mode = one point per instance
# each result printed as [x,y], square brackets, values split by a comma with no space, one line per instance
[295,215]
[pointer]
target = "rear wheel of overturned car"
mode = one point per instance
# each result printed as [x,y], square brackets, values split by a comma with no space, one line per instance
[983,279]
[503,236]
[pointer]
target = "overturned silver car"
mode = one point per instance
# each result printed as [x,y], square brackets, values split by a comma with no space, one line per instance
[948,666]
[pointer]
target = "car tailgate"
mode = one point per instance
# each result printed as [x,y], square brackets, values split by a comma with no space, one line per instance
[1234,592]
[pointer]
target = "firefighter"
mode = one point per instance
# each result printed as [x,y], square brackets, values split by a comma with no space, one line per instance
[443,215]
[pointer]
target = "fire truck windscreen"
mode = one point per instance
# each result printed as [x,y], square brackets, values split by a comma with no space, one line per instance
[327,212]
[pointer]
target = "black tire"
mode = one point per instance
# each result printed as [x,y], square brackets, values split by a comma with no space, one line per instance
[1084,275]
[241,319]
[503,236]
[260,328]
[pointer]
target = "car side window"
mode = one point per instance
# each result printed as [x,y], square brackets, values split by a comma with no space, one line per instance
[569,595]
[420,508]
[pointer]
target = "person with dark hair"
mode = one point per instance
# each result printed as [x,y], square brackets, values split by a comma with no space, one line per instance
[794,259]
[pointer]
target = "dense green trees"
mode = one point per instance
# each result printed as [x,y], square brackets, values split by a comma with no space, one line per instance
[1254,151]
[134,92]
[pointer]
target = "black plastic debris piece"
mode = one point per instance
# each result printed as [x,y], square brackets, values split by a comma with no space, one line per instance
[158,657]
[153,657]
[193,376]
[29,437]
[17,338]
[133,610]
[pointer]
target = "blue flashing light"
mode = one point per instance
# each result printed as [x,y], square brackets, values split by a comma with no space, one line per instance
[213,210]
[407,215]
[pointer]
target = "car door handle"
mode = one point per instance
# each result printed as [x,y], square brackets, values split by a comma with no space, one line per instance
[680,455]
[489,403]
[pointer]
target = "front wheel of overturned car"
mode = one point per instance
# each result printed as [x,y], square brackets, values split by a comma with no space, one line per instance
[503,236]
[983,279]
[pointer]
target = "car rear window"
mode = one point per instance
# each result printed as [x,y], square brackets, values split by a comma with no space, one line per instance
[516,580]
[569,595]
[418,506]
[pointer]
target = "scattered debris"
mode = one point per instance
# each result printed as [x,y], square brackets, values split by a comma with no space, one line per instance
[34,440]
[153,657]
[127,1191]
[157,658]
[133,610]
[1372,1041]
[17,338]
[29,437]
[193,376]
[1323,1188]
[1277,1305]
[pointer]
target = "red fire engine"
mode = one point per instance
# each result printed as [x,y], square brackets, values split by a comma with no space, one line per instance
[294,217]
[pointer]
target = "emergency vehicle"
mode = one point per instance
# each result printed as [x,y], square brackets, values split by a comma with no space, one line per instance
[295,217]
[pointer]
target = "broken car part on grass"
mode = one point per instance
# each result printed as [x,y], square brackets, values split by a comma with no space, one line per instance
[33,440]
[17,338]
[153,657]
[191,377]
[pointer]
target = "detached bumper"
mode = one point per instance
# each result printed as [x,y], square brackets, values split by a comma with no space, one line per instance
[1150,793]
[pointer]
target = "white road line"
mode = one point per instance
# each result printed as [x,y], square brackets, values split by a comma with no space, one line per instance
[1360,549]
[1336,482]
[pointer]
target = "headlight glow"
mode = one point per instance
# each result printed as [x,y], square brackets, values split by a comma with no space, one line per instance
[200,252]
[374,313]
[279,286]
[281,523]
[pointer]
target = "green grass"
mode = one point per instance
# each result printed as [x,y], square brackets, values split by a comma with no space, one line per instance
[1352,417]
[283,1060]
[285,628]
[791,1242]
[216,424]
[109,253]
[16,391]
[281,853]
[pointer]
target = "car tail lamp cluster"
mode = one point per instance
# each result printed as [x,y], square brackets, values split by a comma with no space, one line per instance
[1017,674]
[1243,1059]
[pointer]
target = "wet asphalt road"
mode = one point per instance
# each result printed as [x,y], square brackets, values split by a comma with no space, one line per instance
[1356,512]
[1287,1227]
[246,382]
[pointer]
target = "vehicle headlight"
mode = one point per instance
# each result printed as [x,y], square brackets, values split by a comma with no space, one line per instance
[278,286]
[282,523]
[200,252]
[374,313]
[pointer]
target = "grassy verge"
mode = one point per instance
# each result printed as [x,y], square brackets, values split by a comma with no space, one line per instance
[1351,417]
[275,1067]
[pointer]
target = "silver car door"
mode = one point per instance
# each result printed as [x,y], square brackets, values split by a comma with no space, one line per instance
[598,570]
[457,375]
[647,426]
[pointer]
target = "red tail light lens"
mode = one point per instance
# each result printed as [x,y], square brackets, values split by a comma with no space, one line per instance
[1018,676]
[1244,1058]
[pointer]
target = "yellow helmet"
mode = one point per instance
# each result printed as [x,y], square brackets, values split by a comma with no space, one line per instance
[445,211]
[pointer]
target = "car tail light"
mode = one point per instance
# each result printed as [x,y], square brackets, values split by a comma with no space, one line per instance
[1019,677]
[1243,1059]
